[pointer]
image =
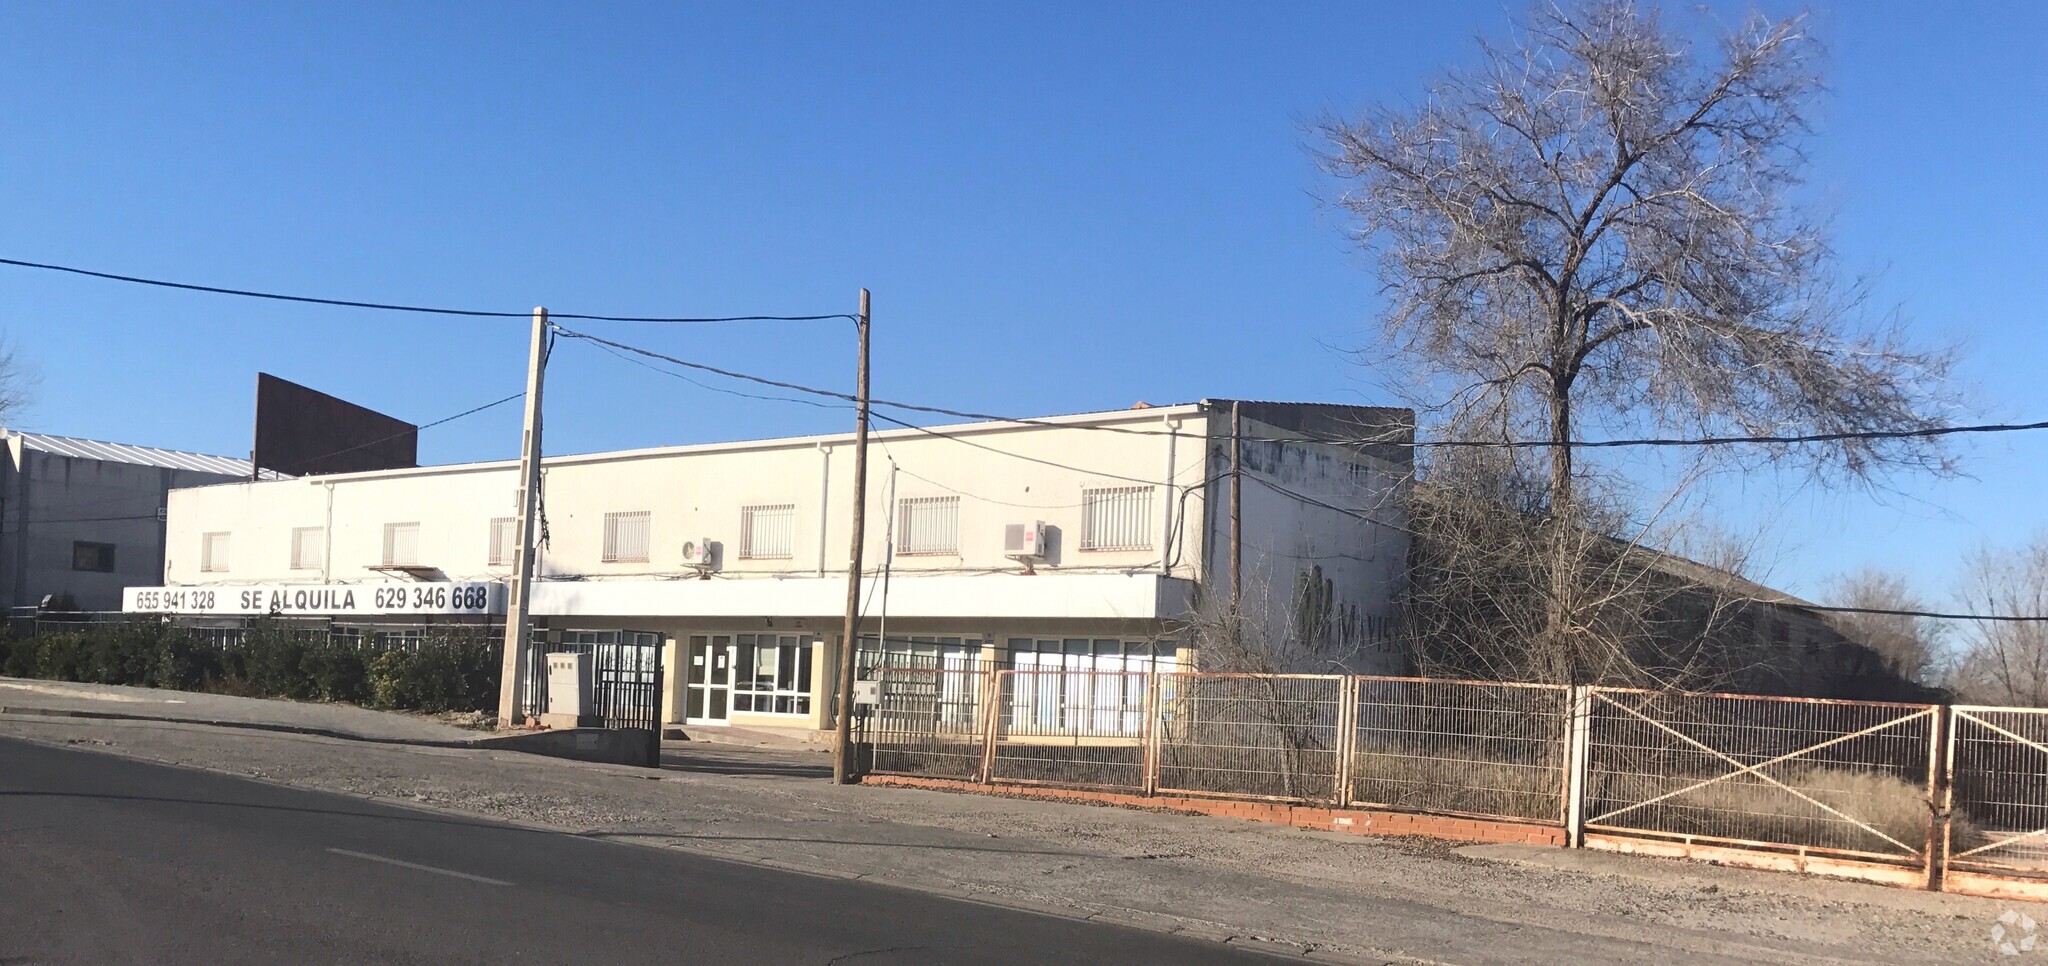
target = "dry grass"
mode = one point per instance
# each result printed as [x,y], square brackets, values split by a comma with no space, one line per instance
[1530,790]
[1748,807]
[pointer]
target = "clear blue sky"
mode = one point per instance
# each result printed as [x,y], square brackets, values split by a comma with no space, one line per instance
[1058,207]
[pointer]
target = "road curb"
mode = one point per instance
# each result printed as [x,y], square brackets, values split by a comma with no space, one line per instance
[242,725]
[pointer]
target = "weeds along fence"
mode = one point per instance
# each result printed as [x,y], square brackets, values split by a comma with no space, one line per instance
[1907,786]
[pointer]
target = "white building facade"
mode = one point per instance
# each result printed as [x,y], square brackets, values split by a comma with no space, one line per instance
[1088,540]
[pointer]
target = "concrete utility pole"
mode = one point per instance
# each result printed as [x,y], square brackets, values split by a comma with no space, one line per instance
[1236,515]
[518,609]
[842,758]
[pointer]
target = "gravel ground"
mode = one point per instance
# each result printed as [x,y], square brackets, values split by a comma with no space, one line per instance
[1352,897]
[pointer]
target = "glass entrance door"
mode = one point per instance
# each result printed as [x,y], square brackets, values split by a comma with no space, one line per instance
[708,695]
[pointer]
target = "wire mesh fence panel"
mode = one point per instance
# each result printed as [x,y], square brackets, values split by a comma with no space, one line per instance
[1070,726]
[1841,776]
[1999,817]
[1456,746]
[927,722]
[1265,736]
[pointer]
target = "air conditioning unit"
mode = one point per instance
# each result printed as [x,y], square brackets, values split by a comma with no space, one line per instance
[700,553]
[1024,540]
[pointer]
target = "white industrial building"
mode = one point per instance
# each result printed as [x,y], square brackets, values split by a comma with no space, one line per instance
[81,519]
[1082,540]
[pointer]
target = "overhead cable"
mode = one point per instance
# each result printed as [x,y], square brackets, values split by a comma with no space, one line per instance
[422,309]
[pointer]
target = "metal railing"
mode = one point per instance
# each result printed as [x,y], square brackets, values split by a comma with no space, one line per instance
[927,721]
[1069,727]
[1269,736]
[1465,747]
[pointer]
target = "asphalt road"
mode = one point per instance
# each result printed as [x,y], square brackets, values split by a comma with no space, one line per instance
[107,860]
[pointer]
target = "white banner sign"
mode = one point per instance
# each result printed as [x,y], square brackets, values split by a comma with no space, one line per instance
[319,599]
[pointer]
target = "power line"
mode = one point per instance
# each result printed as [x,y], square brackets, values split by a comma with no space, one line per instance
[1003,452]
[1928,432]
[394,307]
[1936,615]
[417,429]
[711,388]
[1399,436]
[1822,608]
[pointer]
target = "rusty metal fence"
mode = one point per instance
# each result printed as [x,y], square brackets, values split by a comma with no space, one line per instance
[1997,794]
[1266,736]
[1071,726]
[1465,747]
[1847,778]
[1906,786]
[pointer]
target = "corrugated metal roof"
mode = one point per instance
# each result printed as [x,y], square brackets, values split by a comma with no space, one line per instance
[93,449]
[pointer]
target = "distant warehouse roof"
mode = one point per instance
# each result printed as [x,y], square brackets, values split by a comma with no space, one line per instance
[92,449]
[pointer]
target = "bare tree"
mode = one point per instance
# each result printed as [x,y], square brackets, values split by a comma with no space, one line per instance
[17,383]
[1591,229]
[1481,568]
[1909,647]
[2006,662]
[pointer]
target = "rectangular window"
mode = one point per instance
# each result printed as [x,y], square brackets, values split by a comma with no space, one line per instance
[626,536]
[309,547]
[1116,518]
[928,524]
[937,678]
[95,557]
[774,674]
[1074,685]
[401,544]
[504,540]
[767,532]
[213,552]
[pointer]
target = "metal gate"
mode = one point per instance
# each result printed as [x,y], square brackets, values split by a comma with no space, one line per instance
[1848,778]
[926,721]
[1998,790]
[626,675]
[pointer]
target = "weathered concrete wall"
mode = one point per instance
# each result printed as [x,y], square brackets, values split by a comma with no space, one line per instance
[1325,547]
[50,501]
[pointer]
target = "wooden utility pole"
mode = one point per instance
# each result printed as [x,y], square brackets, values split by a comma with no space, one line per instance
[1236,515]
[849,640]
[518,609]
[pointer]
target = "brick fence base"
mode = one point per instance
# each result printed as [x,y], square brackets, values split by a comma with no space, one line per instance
[1362,821]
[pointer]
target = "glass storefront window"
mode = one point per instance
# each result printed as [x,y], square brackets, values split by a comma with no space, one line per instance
[774,674]
[1070,689]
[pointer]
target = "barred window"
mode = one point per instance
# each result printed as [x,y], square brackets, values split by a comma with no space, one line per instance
[309,547]
[626,536]
[213,552]
[401,544]
[767,532]
[928,524]
[1116,518]
[504,541]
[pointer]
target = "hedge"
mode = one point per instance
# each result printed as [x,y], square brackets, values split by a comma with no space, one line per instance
[269,661]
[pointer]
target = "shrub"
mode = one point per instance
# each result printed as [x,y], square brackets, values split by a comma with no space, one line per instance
[60,656]
[184,663]
[19,657]
[444,674]
[270,658]
[335,671]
